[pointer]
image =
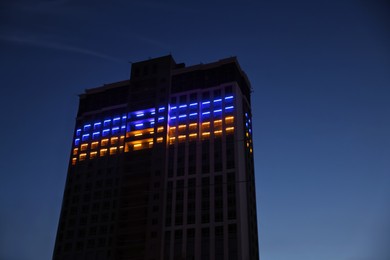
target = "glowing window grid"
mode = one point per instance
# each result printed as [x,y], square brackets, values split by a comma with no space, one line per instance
[248,133]
[185,122]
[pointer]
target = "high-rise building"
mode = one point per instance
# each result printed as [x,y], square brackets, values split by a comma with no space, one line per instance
[161,167]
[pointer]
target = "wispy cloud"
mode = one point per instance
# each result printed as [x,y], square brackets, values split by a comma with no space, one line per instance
[56,46]
[149,41]
[166,6]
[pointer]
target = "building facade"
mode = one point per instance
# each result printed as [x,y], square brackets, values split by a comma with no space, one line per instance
[162,167]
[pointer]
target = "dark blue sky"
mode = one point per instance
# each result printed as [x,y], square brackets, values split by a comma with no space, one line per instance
[321,78]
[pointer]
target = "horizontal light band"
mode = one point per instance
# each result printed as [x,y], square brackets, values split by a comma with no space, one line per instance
[138,123]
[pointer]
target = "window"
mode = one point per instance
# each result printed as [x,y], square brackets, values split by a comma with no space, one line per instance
[217,93]
[84,147]
[205,244]
[93,155]
[228,90]
[114,140]
[104,142]
[103,152]
[94,145]
[183,99]
[193,97]
[82,156]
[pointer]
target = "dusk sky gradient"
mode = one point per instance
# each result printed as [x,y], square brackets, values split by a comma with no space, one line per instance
[320,73]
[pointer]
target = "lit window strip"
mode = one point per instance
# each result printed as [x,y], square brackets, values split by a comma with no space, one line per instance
[111,131]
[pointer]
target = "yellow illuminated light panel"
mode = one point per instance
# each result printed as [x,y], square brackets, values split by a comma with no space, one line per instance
[104,142]
[137,147]
[75,151]
[84,147]
[172,130]
[229,129]
[193,135]
[193,125]
[103,152]
[114,140]
[218,132]
[127,147]
[160,129]
[229,119]
[74,160]
[159,140]
[206,134]
[218,122]
[181,136]
[94,145]
[82,156]
[205,123]
[93,155]
[139,134]
[113,150]
[182,126]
